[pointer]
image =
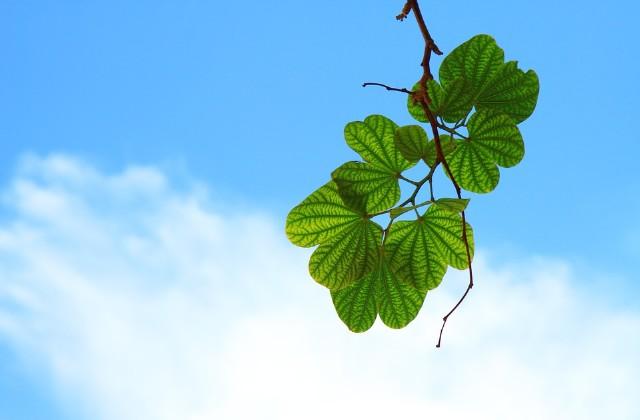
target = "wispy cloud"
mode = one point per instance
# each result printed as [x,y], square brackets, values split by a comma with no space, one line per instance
[141,302]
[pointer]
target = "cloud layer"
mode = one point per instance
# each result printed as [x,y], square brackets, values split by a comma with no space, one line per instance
[142,300]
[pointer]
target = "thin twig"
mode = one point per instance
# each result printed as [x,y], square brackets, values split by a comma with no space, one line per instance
[403,90]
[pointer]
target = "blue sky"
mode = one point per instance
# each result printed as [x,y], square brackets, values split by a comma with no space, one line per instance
[249,102]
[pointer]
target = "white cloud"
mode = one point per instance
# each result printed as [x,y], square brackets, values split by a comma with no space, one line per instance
[141,302]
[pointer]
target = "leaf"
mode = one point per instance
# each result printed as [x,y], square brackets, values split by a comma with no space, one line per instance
[511,91]
[414,107]
[472,169]
[347,257]
[445,228]
[476,61]
[453,205]
[453,103]
[356,305]
[373,139]
[320,217]
[448,145]
[493,139]
[398,303]
[412,142]
[497,136]
[414,256]
[366,188]
[379,292]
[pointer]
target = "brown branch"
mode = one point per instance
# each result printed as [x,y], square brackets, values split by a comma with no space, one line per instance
[403,90]
[405,11]
[423,97]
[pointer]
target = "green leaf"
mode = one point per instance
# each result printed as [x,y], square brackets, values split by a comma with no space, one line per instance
[445,229]
[448,145]
[414,256]
[493,139]
[356,305]
[320,217]
[398,302]
[415,107]
[472,169]
[453,205]
[453,103]
[347,257]
[366,188]
[411,141]
[511,91]
[378,292]
[497,136]
[373,139]
[476,61]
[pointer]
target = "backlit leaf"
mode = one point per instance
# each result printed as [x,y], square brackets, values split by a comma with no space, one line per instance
[453,103]
[454,205]
[365,187]
[320,217]
[373,139]
[411,141]
[347,257]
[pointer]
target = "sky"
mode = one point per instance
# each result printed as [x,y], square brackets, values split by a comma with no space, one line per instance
[149,154]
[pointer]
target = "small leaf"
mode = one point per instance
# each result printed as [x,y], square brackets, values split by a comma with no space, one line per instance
[453,103]
[397,212]
[366,188]
[476,61]
[414,107]
[320,217]
[511,91]
[373,139]
[411,141]
[453,205]
[347,257]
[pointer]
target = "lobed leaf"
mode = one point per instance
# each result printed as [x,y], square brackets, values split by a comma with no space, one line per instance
[373,139]
[320,217]
[445,229]
[412,142]
[497,136]
[380,292]
[472,169]
[347,257]
[476,61]
[366,188]
[453,103]
[511,91]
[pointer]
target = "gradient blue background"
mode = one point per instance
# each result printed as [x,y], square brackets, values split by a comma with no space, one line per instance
[252,97]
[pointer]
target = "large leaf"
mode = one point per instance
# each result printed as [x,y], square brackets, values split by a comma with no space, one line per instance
[320,217]
[419,251]
[511,91]
[493,139]
[476,61]
[380,292]
[445,229]
[365,187]
[413,255]
[472,169]
[453,103]
[412,142]
[356,305]
[373,139]
[496,135]
[348,257]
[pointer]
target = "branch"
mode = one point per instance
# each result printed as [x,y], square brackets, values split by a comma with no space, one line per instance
[403,90]
[423,97]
